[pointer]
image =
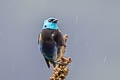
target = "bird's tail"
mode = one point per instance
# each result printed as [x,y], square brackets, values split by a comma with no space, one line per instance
[47,62]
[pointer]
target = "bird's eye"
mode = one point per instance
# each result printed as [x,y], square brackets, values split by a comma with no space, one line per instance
[50,20]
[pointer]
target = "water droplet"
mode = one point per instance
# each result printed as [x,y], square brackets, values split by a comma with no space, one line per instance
[105,59]
[76,19]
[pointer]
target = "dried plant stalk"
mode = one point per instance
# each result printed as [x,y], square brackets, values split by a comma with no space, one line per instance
[61,70]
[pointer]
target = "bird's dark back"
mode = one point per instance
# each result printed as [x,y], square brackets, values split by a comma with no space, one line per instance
[48,42]
[47,35]
[52,37]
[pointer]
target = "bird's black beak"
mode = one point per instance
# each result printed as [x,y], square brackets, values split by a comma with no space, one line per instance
[55,21]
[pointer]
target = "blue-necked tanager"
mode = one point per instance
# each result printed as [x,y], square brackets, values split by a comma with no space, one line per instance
[50,40]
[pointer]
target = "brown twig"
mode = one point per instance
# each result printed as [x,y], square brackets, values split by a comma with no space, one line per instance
[61,70]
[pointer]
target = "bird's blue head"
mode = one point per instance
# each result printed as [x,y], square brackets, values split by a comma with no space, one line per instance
[50,23]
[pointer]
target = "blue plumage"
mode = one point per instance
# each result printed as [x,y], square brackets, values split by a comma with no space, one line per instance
[50,25]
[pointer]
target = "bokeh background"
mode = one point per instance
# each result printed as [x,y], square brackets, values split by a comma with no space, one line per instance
[93,27]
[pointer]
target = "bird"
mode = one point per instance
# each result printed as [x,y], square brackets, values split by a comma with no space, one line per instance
[50,40]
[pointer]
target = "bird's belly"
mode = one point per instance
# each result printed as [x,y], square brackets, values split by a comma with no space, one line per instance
[48,49]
